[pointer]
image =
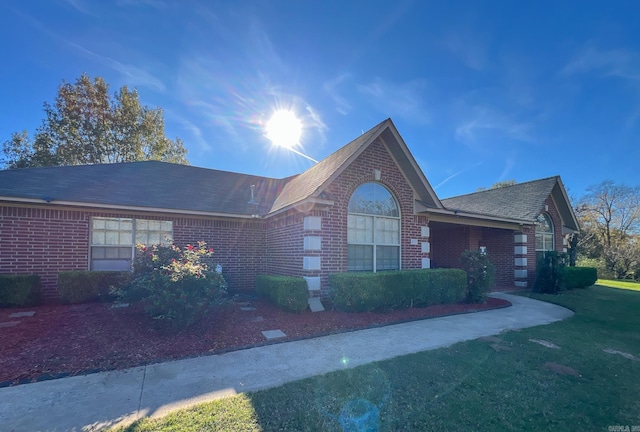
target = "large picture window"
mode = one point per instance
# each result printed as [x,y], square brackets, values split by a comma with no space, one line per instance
[373,230]
[113,240]
[544,235]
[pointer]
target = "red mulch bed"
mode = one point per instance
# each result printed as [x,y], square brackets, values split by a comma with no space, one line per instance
[69,340]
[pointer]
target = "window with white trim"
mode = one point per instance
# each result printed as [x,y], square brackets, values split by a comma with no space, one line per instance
[373,229]
[113,240]
[544,235]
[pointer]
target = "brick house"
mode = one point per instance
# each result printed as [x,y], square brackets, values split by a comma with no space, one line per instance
[366,207]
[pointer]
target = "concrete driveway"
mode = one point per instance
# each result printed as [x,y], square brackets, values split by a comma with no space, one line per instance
[92,402]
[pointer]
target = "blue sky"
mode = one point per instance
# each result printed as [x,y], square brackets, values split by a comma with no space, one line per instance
[481,91]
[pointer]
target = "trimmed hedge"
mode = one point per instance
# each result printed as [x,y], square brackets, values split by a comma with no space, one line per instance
[88,285]
[289,293]
[20,290]
[362,292]
[580,277]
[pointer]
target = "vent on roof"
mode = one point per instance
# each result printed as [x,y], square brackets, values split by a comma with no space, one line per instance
[252,200]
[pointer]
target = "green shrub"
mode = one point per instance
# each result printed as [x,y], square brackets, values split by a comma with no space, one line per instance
[550,272]
[20,290]
[480,275]
[287,292]
[356,292]
[579,277]
[174,284]
[438,286]
[86,286]
[362,292]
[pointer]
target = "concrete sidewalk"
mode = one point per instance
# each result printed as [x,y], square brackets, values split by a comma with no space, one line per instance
[91,402]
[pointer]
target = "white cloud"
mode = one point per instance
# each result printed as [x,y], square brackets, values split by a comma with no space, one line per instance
[133,75]
[331,87]
[485,120]
[615,62]
[194,131]
[79,5]
[152,3]
[470,48]
[403,100]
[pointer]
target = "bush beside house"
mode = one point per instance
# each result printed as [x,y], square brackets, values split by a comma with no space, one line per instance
[362,292]
[20,290]
[288,292]
[480,275]
[86,286]
[176,285]
[579,277]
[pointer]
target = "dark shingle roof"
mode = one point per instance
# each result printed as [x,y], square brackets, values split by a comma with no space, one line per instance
[149,184]
[523,201]
[309,182]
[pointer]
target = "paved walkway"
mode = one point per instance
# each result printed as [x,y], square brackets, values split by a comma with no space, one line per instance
[91,402]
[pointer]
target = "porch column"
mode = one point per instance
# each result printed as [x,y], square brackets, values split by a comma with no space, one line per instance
[425,246]
[520,260]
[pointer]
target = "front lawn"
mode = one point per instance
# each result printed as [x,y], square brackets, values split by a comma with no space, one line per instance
[579,374]
[619,284]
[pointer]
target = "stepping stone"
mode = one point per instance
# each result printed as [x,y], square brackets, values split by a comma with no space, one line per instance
[22,314]
[315,304]
[9,324]
[273,334]
[256,319]
[622,353]
[247,308]
[119,305]
[545,343]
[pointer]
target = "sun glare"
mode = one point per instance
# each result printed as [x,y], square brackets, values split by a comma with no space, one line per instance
[284,129]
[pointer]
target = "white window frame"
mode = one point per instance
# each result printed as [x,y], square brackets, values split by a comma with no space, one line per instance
[162,230]
[376,234]
[548,238]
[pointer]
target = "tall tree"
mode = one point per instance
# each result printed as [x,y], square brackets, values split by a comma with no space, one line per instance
[87,125]
[610,217]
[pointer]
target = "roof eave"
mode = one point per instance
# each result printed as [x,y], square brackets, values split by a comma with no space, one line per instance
[18,200]
[308,204]
[458,214]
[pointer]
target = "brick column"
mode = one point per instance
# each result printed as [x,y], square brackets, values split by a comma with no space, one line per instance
[520,272]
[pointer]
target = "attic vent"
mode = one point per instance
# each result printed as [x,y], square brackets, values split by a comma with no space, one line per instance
[252,201]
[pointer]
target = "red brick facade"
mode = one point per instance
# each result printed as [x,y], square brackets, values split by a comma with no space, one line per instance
[46,239]
[285,233]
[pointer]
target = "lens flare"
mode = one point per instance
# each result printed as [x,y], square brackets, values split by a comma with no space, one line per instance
[284,129]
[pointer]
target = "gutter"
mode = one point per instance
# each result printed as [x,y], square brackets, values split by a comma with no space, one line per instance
[123,207]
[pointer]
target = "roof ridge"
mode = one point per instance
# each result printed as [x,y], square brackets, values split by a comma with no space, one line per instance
[146,162]
[503,187]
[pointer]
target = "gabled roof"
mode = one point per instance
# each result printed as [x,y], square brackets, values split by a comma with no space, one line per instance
[521,201]
[144,185]
[311,183]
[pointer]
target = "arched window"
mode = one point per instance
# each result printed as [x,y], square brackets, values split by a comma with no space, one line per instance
[373,229]
[544,235]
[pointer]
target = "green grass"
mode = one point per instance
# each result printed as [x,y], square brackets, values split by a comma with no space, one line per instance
[478,385]
[619,284]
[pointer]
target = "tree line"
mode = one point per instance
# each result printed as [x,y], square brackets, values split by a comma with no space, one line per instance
[609,239]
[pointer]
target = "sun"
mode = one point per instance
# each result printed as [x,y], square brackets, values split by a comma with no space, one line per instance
[284,129]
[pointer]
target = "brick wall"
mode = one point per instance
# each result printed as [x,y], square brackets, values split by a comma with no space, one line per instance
[449,241]
[284,244]
[553,212]
[333,254]
[46,241]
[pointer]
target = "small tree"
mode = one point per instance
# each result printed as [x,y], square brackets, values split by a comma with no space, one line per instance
[550,273]
[175,285]
[480,275]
